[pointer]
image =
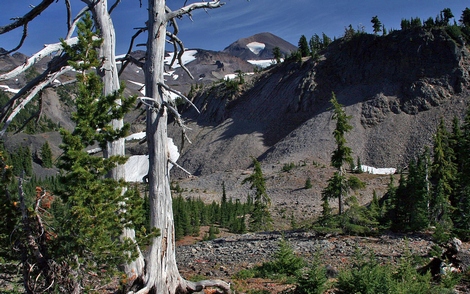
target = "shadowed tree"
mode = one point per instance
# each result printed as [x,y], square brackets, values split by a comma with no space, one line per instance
[376,24]
[303,46]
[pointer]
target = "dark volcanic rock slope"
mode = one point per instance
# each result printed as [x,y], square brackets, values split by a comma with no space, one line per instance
[395,88]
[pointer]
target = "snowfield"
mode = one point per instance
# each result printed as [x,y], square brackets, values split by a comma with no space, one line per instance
[256,47]
[187,57]
[378,171]
[262,63]
[137,166]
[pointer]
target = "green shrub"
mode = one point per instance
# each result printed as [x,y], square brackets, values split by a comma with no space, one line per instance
[285,265]
[245,274]
[356,184]
[308,183]
[314,281]
[288,166]
[366,275]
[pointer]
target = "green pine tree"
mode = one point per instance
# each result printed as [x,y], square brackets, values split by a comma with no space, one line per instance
[376,24]
[461,198]
[90,221]
[303,46]
[338,186]
[443,177]
[46,155]
[260,217]
[277,54]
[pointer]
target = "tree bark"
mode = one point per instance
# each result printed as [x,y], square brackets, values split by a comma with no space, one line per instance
[162,275]
[162,271]
[109,74]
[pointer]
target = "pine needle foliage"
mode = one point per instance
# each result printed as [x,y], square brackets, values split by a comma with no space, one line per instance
[260,217]
[46,155]
[89,216]
[342,154]
[314,281]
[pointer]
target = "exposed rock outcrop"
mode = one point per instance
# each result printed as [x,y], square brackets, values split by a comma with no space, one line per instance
[395,87]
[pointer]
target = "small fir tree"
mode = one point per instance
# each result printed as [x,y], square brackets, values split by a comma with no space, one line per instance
[277,54]
[260,217]
[93,219]
[376,24]
[308,183]
[46,155]
[303,46]
[443,177]
[337,185]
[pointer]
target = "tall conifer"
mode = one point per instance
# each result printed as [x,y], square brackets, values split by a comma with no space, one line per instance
[260,217]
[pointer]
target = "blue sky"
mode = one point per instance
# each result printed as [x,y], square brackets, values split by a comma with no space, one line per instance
[218,28]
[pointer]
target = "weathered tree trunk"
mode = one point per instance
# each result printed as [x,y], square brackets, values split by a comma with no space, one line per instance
[162,271]
[109,74]
[162,275]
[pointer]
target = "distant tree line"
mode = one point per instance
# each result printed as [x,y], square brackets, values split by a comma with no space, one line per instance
[190,214]
[237,217]
[458,31]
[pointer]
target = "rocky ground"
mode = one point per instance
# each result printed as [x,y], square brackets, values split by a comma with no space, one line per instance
[222,258]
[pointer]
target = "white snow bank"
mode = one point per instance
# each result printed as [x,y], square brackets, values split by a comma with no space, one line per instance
[187,57]
[136,136]
[378,171]
[137,166]
[234,76]
[8,89]
[256,47]
[262,63]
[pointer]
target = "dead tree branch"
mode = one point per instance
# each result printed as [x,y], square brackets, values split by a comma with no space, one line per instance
[23,21]
[73,24]
[47,50]
[114,6]
[178,54]
[35,89]
[128,57]
[187,9]
[179,94]
[192,287]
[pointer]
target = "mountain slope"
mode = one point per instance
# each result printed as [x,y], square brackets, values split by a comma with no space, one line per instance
[395,88]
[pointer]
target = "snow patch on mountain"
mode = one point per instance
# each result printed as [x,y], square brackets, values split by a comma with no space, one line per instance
[235,75]
[262,63]
[256,47]
[137,166]
[378,171]
[187,57]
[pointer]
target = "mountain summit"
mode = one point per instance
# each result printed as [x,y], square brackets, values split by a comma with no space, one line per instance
[259,46]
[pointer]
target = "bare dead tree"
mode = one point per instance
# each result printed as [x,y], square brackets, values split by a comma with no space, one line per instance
[158,271]
[162,274]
